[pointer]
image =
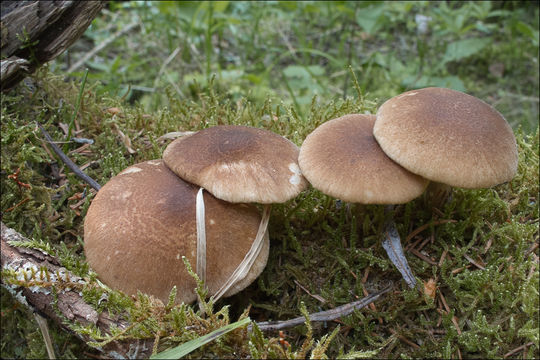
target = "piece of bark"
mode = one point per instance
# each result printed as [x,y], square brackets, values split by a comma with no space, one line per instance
[39,31]
[69,305]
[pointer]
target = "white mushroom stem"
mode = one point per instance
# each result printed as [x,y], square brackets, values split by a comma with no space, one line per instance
[392,245]
[245,265]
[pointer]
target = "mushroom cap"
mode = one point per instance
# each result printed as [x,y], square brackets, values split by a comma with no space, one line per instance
[341,158]
[238,164]
[142,222]
[447,136]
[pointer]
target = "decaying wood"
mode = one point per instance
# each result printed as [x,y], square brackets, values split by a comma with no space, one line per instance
[34,32]
[70,304]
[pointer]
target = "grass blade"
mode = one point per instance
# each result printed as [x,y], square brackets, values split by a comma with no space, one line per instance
[186,348]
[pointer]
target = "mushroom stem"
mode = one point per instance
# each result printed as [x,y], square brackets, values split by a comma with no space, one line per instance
[437,195]
[392,245]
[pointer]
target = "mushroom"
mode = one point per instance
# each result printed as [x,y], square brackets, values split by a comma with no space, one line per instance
[342,159]
[142,222]
[237,164]
[448,137]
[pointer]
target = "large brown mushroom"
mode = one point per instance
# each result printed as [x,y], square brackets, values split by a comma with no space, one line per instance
[448,137]
[142,222]
[342,159]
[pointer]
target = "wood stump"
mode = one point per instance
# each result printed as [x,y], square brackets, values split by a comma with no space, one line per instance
[35,32]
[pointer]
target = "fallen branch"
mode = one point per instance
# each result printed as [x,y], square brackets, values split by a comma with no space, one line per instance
[68,303]
[327,315]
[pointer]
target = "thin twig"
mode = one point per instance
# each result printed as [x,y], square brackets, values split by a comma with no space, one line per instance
[405,340]
[511,352]
[70,164]
[423,257]
[425,226]
[327,315]
[475,263]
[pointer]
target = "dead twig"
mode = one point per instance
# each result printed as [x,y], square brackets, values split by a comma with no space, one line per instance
[475,263]
[405,340]
[327,315]
[70,164]
[425,226]
[423,257]
[518,349]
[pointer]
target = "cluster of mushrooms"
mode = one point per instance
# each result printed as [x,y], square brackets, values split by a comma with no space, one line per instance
[197,202]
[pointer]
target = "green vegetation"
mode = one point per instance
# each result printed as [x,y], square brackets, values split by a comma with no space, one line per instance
[288,67]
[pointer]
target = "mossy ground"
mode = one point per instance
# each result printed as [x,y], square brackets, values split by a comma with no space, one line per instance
[479,251]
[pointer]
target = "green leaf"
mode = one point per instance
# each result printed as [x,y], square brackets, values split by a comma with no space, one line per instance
[528,31]
[184,349]
[369,18]
[451,82]
[463,48]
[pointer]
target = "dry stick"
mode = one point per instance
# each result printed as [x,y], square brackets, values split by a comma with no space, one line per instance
[511,352]
[327,315]
[70,164]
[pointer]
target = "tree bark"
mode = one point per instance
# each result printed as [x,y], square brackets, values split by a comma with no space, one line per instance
[69,303]
[34,32]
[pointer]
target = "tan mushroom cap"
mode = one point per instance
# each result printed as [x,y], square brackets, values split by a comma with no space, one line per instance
[342,159]
[142,222]
[238,164]
[447,136]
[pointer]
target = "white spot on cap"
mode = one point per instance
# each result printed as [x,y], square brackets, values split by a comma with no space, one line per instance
[154,162]
[368,194]
[409,94]
[177,256]
[212,222]
[296,176]
[130,170]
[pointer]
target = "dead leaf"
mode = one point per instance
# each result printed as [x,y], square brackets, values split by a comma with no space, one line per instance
[175,134]
[430,288]
[115,111]
[64,127]
[125,139]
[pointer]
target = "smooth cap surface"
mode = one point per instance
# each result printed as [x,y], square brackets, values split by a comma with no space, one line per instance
[447,136]
[142,222]
[342,159]
[238,164]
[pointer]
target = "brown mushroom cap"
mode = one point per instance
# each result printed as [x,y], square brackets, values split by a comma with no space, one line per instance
[447,136]
[342,159]
[238,164]
[142,222]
